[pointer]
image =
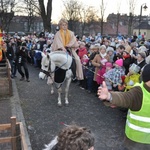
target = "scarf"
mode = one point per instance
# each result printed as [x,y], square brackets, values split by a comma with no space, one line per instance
[103,55]
[65,35]
[126,56]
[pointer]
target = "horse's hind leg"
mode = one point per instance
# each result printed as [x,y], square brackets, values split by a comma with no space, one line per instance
[68,81]
[59,97]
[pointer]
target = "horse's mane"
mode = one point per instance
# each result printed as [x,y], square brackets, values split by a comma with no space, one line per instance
[61,58]
[58,52]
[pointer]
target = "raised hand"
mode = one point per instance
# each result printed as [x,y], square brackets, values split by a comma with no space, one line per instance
[103,92]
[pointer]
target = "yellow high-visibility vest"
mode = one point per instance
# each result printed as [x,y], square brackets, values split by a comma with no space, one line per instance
[138,122]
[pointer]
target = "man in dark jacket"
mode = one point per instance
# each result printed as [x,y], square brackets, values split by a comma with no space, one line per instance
[119,52]
[22,55]
[10,56]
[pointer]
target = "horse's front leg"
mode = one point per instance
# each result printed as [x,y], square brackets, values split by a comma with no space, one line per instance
[50,82]
[52,88]
[59,96]
[68,81]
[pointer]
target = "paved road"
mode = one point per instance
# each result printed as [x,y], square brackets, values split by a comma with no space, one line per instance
[43,116]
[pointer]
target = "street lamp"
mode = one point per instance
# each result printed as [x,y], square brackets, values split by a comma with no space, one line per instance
[145,7]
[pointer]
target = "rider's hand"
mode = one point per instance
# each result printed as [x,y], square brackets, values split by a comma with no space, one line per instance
[103,92]
[63,49]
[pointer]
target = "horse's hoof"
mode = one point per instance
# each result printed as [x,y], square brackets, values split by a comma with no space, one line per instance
[67,104]
[52,92]
[59,105]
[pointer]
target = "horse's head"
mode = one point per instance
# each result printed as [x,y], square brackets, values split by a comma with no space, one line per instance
[45,62]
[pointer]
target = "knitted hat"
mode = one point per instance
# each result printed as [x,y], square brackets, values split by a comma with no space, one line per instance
[146,73]
[102,47]
[143,55]
[110,49]
[142,49]
[119,62]
[109,64]
[82,43]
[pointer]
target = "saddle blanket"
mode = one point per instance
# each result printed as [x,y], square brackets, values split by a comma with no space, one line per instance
[60,75]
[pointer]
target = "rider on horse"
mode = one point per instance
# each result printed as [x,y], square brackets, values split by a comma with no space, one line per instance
[65,40]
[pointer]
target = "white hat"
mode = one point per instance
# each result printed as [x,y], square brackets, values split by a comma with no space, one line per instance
[109,49]
[23,39]
[142,49]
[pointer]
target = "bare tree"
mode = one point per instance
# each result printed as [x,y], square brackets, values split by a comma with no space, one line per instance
[102,13]
[6,13]
[132,4]
[88,17]
[72,13]
[46,14]
[79,16]
[36,8]
[29,8]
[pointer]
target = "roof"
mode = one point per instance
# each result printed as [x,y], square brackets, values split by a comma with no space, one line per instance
[143,25]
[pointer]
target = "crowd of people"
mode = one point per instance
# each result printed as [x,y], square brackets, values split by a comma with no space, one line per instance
[119,61]
[24,50]
[97,58]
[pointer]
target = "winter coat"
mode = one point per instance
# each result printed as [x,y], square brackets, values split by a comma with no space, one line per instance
[10,53]
[96,62]
[126,63]
[81,52]
[131,80]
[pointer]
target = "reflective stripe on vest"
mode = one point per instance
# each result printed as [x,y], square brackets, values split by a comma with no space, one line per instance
[140,118]
[138,122]
[146,130]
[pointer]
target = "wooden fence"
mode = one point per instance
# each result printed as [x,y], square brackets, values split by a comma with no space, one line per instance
[16,139]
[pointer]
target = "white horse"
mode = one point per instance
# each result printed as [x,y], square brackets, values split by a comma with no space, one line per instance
[56,65]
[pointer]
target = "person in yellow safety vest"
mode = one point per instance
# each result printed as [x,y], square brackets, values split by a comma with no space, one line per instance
[137,100]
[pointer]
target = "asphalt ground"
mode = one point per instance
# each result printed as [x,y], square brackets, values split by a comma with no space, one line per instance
[37,109]
[43,117]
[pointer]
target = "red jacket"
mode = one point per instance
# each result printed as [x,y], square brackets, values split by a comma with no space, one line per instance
[81,52]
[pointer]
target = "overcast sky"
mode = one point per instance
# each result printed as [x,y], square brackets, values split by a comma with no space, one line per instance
[110,8]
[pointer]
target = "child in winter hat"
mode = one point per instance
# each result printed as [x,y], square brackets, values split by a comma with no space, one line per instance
[132,77]
[117,73]
[119,62]
[84,59]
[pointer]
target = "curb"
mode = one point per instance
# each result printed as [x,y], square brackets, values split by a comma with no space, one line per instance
[17,111]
